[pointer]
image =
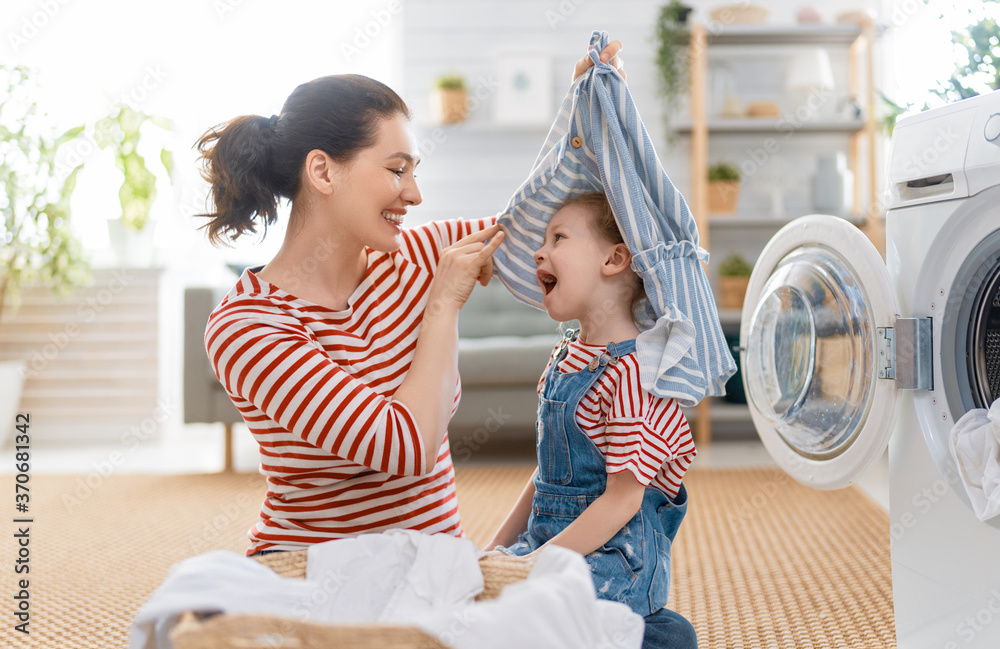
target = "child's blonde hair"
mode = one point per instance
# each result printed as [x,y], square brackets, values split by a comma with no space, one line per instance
[605,226]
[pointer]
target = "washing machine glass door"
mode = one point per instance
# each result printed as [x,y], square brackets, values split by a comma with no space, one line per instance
[817,319]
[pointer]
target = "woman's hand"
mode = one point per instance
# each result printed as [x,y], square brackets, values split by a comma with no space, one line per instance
[461,265]
[610,53]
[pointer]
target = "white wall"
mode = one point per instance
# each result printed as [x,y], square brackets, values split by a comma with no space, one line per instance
[470,170]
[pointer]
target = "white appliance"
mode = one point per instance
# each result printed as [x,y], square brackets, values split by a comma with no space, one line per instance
[841,350]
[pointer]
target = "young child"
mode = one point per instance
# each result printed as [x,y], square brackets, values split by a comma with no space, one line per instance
[610,455]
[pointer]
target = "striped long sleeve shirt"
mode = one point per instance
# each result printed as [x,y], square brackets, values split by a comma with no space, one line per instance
[315,388]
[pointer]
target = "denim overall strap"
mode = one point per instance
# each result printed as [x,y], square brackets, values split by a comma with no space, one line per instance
[563,448]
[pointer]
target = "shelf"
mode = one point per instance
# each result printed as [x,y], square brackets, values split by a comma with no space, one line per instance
[813,35]
[781,126]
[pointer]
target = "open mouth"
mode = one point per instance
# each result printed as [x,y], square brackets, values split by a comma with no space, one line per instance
[547,281]
[393,218]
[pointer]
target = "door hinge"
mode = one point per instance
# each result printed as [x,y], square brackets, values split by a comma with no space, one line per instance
[906,353]
[886,353]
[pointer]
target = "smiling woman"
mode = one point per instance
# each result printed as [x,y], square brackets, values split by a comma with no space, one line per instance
[345,375]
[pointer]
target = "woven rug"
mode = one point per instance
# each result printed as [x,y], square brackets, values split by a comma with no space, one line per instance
[760,562]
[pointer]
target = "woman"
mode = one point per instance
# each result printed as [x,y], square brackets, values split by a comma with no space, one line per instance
[341,352]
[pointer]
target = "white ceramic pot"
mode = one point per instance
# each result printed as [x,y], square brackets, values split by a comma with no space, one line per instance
[131,247]
[11,386]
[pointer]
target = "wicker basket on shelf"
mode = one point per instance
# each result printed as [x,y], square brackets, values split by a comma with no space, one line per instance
[268,632]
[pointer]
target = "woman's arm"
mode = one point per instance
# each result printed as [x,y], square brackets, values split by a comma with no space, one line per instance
[605,516]
[517,520]
[268,362]
[428,389]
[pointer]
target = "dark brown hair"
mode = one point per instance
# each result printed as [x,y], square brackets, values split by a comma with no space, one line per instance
[252,162]
[604,225]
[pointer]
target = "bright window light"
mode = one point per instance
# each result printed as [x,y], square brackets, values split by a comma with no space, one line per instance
[197,63]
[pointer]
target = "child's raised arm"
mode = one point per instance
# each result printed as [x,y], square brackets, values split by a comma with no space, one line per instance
[517,520]
[621,499]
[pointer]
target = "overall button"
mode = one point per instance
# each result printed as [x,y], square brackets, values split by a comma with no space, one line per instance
[577,142]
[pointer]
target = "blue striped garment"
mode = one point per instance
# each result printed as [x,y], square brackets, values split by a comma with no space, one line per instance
[681,349]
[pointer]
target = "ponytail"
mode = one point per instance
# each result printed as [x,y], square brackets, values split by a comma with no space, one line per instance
[236,158]
[252,162]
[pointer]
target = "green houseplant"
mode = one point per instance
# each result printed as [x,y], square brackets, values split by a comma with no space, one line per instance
[450,100]
[672,37]
[38,242]
[723,188]
[734,277]
[121,132]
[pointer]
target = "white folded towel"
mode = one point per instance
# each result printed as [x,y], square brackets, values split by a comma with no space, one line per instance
[975,445]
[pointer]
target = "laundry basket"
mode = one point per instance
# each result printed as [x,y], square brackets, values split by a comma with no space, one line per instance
[268,632]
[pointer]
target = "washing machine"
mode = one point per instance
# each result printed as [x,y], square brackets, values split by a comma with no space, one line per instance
[844,353]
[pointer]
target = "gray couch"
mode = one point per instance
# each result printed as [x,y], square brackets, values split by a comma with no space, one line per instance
[503,348]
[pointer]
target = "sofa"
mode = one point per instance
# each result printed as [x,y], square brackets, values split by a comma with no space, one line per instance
[503,348]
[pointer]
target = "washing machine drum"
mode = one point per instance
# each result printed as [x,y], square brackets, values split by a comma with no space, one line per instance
[970,337]
[984,342]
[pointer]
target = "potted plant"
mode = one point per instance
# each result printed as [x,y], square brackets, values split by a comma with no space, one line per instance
[734,277]
[121,131]
[450,100]
[672,38]
[723,188]
[39,244]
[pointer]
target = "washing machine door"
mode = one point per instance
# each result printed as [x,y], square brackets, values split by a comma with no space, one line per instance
[818,312]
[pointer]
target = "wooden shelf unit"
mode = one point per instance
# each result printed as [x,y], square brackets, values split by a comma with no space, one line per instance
[859,40]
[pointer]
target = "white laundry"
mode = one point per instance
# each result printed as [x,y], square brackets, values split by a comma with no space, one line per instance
[399,577]
[975,445]
[214,582]
[394,576]
[554,608]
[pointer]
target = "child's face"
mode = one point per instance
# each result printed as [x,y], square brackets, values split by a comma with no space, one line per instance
[569,263]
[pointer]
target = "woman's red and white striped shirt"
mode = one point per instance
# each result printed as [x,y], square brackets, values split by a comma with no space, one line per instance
[315,388]
[635,430]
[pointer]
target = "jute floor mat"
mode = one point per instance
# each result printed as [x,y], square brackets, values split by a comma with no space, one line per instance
[760,562]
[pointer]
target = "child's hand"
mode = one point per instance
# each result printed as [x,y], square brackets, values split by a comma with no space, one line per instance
[610,54]
[493,553]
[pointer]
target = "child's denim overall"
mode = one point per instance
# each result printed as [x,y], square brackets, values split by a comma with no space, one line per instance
[633,566]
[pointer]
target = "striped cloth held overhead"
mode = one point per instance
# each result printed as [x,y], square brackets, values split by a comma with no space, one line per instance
[598,143]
